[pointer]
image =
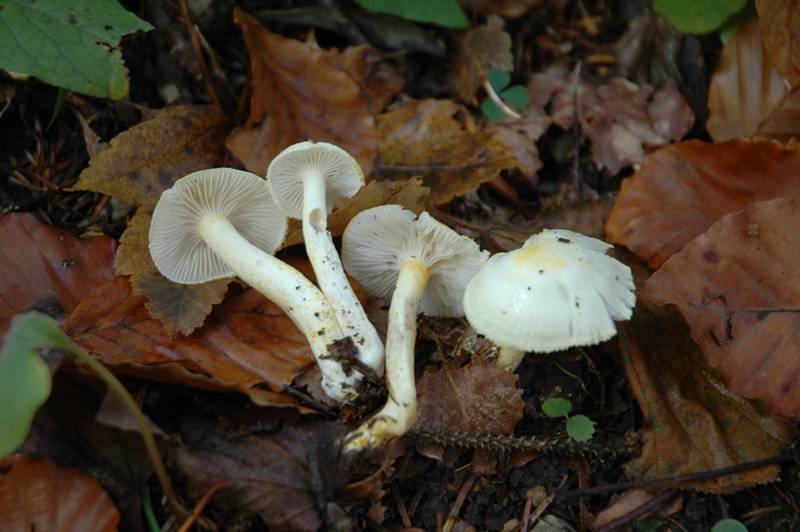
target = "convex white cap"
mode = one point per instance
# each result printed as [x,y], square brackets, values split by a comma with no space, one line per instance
[179,252]
[342,174]
[378,241]
[559,290]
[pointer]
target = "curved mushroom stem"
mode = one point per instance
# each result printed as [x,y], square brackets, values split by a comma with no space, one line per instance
[293,292]
[331,277]
[400,410]
[509,357]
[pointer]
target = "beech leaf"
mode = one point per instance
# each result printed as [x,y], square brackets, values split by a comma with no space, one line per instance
[299,94]
[738,286]
[779,21]
[682,189]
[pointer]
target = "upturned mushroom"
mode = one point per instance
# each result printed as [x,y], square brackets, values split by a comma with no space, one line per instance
[559,290]
[223,222]
[307,180]
[422,265]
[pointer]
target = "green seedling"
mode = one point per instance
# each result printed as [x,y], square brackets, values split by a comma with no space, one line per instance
[579,427]
[729,525]
[515,96]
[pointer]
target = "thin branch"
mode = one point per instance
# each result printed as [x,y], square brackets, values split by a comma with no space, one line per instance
[508,111]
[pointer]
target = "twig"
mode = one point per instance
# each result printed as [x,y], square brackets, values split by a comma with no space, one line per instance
[508,111]
[576,120]
[665,481]
[202,503]
[456,509]
[198,52]
[640,511]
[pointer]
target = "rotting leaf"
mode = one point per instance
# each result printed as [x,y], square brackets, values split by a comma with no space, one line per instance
[299,94]
[480,398]
[38,494]
[738,286]
[479,50]
[180,307]
[48,269]
[621,118]
[247,341]
[438,140]
[779,21]
[746,92]
[692,422]
[680,190]
[409,193]
[148,158]
[287,477]
[520,136]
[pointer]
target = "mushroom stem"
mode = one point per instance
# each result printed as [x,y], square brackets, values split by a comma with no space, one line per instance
[330,274]
[400,410]
[289,289]
[509,357]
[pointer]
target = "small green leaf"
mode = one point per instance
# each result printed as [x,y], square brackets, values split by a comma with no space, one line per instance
[498,79]
[556,406]
[515,96]
[693,16]
[74,45]
[729,525]
[491,111]
[447,13]
[580,428]
[24,378]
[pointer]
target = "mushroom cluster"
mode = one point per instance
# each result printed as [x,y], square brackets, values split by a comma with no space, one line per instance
[558,290]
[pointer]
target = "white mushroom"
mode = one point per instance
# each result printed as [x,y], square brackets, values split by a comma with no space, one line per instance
[558,290]
[422,265]
[223,222]
[307,180]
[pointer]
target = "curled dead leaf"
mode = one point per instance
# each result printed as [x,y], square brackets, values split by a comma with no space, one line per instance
[299,94]
[780,20]
[480,49]
[38,494]
[438,140]
[746,92]
[680,190]
[738,286]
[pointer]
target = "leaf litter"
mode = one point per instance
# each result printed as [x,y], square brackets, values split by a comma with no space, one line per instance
[707,357]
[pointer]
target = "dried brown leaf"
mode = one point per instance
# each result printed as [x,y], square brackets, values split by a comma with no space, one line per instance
[438,140]
[409,193]
[682,189]
[180,307]
[738,286]
[38,494]
[247,341]
[286,477]
[299,94]
[620,118]
[48,269]
[520,136]
[378,80]
[148,158]
[692,421]
[505,8]
[480,49]
[780,21]
[480,398]
[745,89]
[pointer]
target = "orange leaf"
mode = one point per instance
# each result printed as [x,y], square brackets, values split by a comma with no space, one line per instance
[246,341]
[38,494]
[738,286]
[47,269]
[298,94]
[780,20]
[682,189]
[747,96]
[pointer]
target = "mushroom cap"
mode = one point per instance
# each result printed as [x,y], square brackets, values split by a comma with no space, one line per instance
[342,174]
[377,242]
[559,290]
[179,252]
